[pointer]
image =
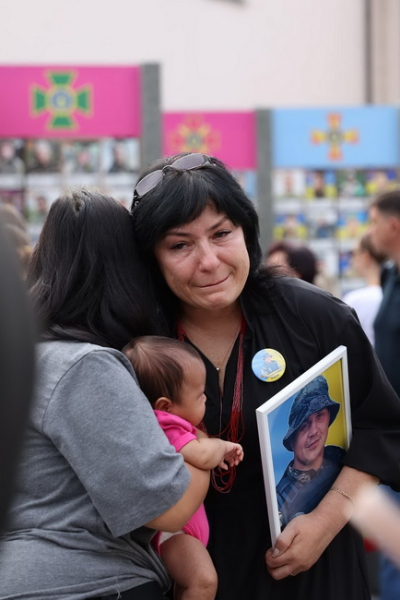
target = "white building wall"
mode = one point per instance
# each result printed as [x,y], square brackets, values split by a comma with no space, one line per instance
[214,54]
[385,43]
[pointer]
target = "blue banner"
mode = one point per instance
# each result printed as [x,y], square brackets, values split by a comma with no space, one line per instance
[366,137]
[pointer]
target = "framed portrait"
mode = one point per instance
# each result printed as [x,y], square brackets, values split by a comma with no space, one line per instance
[304,432]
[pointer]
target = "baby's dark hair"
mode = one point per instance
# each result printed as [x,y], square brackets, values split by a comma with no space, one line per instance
[159,364]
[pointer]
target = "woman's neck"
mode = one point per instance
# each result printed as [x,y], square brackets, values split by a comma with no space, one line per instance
[373,275]
[197,319]
[214,333]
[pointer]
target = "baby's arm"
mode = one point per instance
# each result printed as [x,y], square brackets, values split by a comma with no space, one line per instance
[208,453]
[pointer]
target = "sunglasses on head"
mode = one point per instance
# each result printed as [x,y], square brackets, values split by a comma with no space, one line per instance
[183,163]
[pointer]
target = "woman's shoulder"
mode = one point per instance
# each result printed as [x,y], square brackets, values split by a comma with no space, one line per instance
[55,358]
[295,292]
[297,301]
[72,351]
[295,285]
[79,368]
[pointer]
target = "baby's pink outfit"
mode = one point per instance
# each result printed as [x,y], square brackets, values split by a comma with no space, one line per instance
[179,432]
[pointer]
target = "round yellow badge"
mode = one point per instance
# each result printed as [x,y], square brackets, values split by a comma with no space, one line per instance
[268,365]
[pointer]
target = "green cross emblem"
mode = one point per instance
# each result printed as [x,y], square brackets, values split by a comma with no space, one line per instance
[61,100]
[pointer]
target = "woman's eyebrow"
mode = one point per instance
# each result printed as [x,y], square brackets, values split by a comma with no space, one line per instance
[184,233]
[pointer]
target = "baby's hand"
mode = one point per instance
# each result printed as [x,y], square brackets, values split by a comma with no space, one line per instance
[233,455]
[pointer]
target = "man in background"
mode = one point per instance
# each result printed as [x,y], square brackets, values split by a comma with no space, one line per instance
[385,236]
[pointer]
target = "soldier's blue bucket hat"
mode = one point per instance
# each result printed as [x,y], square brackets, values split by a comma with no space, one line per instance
[312,397]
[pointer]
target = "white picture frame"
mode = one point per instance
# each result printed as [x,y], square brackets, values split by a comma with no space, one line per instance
[273,420]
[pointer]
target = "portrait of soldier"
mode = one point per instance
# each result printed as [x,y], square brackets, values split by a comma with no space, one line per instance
[315,466]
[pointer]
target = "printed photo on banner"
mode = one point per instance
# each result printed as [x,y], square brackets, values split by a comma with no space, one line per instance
[346,268]
[352,224]
[289,183]
[351,183]
[321,184]
[327,254]
[11,157]
[321,221]
[304,433]
[37,205]
[382,180]
[120,155]
[80,157]
[291,226]
[42,156]
[248,181]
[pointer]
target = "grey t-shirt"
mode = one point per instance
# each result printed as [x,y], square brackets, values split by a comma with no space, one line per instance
[96,466]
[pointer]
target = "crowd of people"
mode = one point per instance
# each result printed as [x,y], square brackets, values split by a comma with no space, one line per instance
[141,460]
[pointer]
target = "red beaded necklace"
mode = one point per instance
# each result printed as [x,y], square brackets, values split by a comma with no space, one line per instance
[233,432]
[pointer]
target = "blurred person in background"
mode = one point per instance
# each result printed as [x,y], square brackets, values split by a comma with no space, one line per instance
[10,215]
[21,242]
[367,263]
[15,229]
[301,262]
[384,214]
[18,331]
[298,261]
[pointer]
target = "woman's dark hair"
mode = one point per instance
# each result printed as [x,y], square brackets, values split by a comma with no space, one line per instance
[300,258]
[84,277]
[160,364]
[179,198]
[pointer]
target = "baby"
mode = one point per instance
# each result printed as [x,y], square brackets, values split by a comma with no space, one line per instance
[172,375]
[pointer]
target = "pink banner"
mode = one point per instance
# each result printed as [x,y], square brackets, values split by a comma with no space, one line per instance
[229,136]
[70,102]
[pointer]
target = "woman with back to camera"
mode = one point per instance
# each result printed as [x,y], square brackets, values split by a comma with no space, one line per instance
[367,263]
[198,235]
[97,474]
